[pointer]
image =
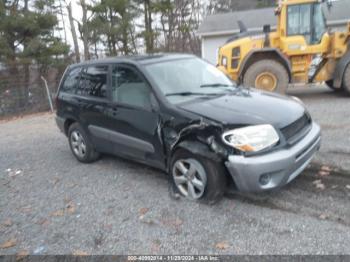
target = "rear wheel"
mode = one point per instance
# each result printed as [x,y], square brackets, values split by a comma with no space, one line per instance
[81,145]
[268,75]
[346,80]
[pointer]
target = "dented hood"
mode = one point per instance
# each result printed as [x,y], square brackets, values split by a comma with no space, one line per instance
[248,108]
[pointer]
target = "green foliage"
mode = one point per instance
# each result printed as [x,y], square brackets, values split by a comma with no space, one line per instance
[113,25]
[27,34]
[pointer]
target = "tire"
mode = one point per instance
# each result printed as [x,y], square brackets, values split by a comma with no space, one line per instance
[346,80]
[267,71]
[80,144]
[210,174]
[329,83]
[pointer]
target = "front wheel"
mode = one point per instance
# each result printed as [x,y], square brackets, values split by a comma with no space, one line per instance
[196,178]
[268,75]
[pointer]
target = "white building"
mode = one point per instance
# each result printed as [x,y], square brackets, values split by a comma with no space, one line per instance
[217,29]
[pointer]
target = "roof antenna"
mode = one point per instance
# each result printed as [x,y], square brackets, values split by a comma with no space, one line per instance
[242,27]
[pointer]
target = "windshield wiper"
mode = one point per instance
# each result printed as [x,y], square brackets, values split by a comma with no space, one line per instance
[216,85]
[190,94]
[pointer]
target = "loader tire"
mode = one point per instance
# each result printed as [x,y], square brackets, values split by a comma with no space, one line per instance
[346,80]
[268,75]
[329,83]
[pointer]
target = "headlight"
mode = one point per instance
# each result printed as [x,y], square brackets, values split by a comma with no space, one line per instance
[252,138]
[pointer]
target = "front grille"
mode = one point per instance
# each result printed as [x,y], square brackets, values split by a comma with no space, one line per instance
[296,129]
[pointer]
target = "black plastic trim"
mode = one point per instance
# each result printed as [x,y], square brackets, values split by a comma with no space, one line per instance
[121,139]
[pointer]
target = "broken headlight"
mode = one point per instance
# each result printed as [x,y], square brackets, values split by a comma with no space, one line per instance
[252,138]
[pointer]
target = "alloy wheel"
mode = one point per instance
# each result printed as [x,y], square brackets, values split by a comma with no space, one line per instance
[190,178]
[78,144]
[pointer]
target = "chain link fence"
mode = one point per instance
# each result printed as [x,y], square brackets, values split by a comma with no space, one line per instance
[23,91]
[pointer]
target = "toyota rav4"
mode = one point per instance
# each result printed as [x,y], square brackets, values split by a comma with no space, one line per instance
[180,114]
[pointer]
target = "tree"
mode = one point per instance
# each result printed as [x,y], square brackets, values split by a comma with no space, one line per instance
[113,25]
[27,37]
[84,29]
[27,32]
[148,33]
[167,21]
[179,20]
[74,33]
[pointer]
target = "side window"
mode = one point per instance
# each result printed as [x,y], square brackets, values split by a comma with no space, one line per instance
[299,21]
[71,82]
[94,82]
[129,88]
[319,22]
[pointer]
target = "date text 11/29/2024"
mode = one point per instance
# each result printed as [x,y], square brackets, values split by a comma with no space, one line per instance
[173,258]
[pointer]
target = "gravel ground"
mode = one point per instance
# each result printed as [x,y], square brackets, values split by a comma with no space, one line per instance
[51,204]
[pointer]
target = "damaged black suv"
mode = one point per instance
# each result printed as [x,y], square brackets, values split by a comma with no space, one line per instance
[182,115]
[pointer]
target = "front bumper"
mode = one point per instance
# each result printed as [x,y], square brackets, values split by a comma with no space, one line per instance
[274,170]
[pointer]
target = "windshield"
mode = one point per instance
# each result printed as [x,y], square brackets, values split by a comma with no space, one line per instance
[187,79]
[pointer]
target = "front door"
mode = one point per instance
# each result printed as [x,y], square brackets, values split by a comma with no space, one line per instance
[134,119]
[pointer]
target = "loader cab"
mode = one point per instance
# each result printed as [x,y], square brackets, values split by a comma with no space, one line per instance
[302,27]
[306,20]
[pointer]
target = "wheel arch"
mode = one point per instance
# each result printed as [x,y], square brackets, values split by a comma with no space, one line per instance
[340,68]
[203,150]
[67,123]
[197,148]
[265,53]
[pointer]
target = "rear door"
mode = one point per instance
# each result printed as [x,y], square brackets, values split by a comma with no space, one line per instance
[67,104]
[93,99]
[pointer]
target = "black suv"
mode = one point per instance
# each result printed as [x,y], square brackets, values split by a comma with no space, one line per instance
[182,115]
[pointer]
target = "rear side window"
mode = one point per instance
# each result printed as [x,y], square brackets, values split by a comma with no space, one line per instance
[71,82]
[93,82]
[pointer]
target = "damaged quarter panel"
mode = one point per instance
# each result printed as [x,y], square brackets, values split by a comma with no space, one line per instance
[184,129]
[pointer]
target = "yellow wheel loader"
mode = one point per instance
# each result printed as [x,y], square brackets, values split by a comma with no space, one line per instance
[301,50]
